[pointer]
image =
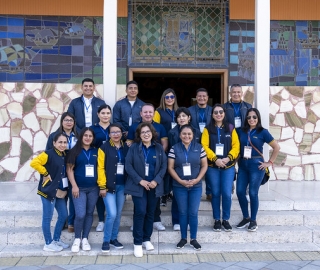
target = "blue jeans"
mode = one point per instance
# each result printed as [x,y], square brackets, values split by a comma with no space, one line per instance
[71,207]
[100,209]
[47,213]
[249,174]
[114,204]
[221,181]
[84,207]
[208,187]
[188,200]
[143,215]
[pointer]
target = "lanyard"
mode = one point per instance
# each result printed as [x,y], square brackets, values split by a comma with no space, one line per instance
[218,130]
[87,156]
[119,155]
[146,153]
[171,114]
[250,134]
[105,132]
[64,170]
[186,152]
[235,110]
[202,117]
[85,105]
[70,140]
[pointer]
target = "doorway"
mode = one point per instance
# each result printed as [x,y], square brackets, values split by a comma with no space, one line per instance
[152,83]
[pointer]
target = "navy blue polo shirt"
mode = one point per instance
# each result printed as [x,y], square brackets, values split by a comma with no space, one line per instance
[150,158]
[100,135]
[161,132]
[257,139]
[83,159]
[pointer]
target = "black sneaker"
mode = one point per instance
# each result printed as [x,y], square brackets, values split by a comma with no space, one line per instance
[163,200]
[217,226]
[116,244]
[105,247]
[243,223]
[226,226]
[194,243]
[252,226]
[182,243]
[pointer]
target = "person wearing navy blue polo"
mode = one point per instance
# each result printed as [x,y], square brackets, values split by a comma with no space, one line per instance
[200,117]
[85,108]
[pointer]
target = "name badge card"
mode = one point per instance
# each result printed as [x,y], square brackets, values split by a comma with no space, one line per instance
[219,149]
[65,182]
[247,152]
[89,171]
[120,168]
[202,125]
[173,124]
[237,122]
[186,167]
[103,142]
[130,121]
[146,169]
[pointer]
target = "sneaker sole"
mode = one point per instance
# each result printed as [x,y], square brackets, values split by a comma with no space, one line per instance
[238,227]
[195,248]
[216,230]
[252,230]
[75,251]
[180,247]
[51,250]
[227,230]
[105,251]
[116,247]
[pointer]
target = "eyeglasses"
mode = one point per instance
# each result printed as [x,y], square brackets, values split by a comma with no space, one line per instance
[218,112]
[145,132]
[68,120]
[172,97]
[253,116]
[115,132]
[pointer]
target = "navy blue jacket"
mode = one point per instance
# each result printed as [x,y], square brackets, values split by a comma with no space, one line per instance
[194,111]
[76,107]
[122,111]
[244,107]
[135,167]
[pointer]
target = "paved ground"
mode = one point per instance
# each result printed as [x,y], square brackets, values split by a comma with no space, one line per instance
[230,261]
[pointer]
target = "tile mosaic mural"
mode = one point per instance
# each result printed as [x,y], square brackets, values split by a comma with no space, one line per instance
[294,52]
[56,49]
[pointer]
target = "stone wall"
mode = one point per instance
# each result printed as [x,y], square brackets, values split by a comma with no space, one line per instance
[29,112]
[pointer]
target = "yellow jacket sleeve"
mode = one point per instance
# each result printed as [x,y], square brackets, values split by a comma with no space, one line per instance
[235,146]
[157,117]
[38,163]
[205,143]
[102,179]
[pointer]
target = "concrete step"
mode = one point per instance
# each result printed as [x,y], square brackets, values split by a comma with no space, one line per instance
[286,218]
[265,234]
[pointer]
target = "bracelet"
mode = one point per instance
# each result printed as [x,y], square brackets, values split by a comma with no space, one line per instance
[270,161]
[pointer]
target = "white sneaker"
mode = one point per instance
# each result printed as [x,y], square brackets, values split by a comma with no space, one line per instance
[131,228]
[85,245]
[158,226]
[176,227]
[76,245]
[52,247]
[147,245]
[61,244]
[100,227]
[137,251]
[248,198]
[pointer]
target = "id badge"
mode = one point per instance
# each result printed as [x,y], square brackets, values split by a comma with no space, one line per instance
[120,168]
[247,152]
[237,122]
[173,124]
[219,149]
[89,171]
[65,182]
[186,169]
[202,125]
[130,121]
[146,170]
[103,142]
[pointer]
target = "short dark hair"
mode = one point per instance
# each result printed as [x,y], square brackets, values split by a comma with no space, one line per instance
[182,110]
[138,132]
[131,82]
[147,104]
[235,85]
[57,136]
[104,106]
[202,90]
[87,80]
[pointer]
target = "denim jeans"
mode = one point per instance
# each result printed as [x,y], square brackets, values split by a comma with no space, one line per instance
[157,212]
[84,207]
[208,187]
[188,200]
[100,209]
[71,215]
[249,174]
[114,204]
[143,215]
[221,181]
[47,213]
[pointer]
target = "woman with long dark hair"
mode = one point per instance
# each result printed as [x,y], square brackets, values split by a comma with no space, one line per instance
[82,173]
[252,166]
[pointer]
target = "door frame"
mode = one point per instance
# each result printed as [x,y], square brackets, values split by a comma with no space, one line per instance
[223,73]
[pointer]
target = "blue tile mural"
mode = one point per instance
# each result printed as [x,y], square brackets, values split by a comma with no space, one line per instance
[55,49]
[294,52]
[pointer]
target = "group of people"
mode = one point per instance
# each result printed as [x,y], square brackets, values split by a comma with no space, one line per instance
[99,155]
